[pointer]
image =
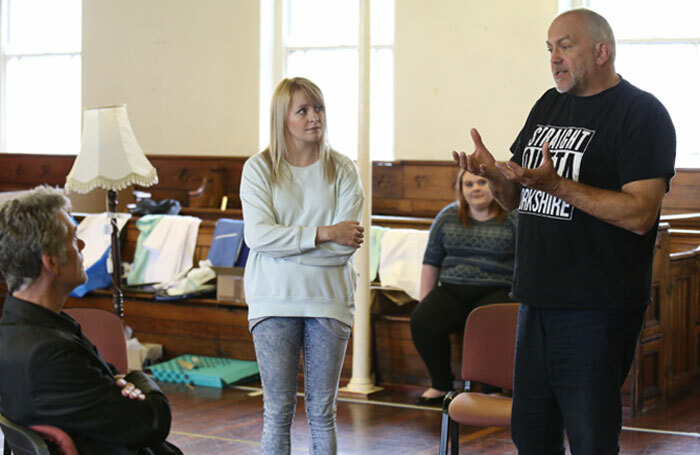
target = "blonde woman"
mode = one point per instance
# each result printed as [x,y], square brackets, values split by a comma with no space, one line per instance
[302,204]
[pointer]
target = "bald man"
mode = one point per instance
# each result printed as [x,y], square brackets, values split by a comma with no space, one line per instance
[588,174]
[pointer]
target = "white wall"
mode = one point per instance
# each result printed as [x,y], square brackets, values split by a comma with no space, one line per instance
[188,71]
[467,63]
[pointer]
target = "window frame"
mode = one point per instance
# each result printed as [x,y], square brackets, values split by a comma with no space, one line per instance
[7,53]
[281,53]
[564,5]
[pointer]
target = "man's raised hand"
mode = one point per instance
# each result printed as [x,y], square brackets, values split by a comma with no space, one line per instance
[543,178]
[479,162]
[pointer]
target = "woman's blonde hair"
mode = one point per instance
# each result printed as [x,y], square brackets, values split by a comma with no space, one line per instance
[281,99]
[463,205]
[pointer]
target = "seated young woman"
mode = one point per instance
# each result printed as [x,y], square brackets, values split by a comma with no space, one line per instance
[468,263]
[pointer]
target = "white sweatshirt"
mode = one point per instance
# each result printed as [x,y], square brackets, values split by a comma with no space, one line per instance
[286,273]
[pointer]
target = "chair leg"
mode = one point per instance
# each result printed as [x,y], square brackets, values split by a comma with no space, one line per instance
[454,436]
[444,432]
[446,421]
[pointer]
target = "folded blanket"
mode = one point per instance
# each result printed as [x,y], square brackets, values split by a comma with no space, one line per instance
[164,249]
[401,259]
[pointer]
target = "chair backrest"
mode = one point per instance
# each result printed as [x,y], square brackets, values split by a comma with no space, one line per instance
[21,440]
[488,351]
[106,331]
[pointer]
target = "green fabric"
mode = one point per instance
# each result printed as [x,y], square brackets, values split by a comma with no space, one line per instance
[142,254]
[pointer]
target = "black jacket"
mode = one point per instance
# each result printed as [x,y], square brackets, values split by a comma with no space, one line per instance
[53,375]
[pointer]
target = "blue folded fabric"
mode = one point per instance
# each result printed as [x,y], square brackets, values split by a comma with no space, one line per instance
[97,277]
[243,255]
[227,243]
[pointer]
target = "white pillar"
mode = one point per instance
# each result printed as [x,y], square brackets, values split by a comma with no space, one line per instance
[361,381]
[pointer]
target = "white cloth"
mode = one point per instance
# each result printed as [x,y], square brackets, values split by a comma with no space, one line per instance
[194,280]
[171,245]
[96,232]
[401,259]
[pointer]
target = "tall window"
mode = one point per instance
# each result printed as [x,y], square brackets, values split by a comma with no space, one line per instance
[658,50]
[319,41]
[40,76]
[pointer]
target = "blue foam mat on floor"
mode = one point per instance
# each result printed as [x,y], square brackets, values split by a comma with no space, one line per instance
[209,372]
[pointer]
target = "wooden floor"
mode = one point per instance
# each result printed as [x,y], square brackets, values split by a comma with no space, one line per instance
[229,421]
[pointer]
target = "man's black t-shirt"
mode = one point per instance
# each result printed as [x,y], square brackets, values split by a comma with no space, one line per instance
[565,257]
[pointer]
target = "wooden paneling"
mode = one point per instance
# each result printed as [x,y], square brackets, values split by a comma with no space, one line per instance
[683,197]
[402,188]
[415,188]
[684,240]
[19,171]
[682,325]
[668,358]
[177,175]
[643,389]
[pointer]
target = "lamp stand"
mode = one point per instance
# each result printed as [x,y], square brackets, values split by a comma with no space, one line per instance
[117,296]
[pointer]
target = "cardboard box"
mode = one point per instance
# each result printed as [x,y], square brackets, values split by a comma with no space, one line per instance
[229,284]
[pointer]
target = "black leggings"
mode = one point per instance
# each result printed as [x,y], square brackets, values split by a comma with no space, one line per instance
[443,311]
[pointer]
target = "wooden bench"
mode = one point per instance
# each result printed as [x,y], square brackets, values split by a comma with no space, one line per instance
[684,230]
[667,364]
[203,326]
[684,240]
[206,326]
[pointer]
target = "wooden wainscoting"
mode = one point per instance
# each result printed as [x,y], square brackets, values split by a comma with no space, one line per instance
[400,188]
[683,197]
[643,389]
[177,175]
[682,325]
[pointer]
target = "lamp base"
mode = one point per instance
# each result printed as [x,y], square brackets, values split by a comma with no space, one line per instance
[117,295]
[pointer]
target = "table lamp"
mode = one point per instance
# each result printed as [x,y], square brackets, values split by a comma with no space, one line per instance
[110,158]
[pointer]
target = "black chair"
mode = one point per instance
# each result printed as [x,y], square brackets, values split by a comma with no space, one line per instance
[21,440]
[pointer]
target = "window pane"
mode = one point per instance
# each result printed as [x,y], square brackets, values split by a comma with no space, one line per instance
[382,105]
[43,105]
[44,26]
[328,30]
[677,90]
[335,72]
[632,19]
[322,22]
[382,22]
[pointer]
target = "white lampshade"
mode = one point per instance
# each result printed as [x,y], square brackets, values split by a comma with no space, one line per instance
[110,156]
